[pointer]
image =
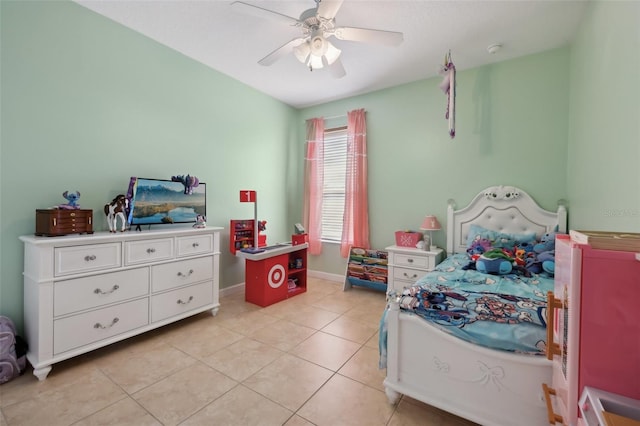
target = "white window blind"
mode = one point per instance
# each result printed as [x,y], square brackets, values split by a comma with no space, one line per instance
[333,193]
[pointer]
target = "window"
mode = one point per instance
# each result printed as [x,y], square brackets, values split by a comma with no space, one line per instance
[333,192]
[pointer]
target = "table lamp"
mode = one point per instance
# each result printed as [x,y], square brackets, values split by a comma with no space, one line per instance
[430,223]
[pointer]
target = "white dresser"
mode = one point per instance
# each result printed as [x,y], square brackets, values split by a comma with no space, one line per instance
[82,292]
[407,264]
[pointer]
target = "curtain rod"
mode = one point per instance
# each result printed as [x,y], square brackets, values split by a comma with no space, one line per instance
[332,117]
[335,116]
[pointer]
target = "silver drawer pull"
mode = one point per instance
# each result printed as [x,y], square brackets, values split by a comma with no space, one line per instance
[114,288]
[194,245]
[98,325]
[151,250]
[89,258]
[414,276]
[410,260]
[180,274]
[180,302]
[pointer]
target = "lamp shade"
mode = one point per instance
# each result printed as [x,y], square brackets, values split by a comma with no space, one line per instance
[430,223]
[312,52]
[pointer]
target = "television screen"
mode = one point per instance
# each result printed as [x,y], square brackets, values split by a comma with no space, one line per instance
[158,201]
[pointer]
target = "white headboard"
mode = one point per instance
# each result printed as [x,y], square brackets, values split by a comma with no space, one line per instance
[501,208]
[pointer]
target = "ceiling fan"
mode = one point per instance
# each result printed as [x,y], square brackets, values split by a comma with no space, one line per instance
[318,24]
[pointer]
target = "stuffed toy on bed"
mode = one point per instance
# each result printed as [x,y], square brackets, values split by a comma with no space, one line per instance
[546,254]
[478,247]
[495,261]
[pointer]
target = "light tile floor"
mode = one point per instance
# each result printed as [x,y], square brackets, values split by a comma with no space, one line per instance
[309,360]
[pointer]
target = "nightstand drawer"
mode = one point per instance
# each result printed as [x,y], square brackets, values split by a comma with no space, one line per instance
[407,265]
[406,274]
[413,261]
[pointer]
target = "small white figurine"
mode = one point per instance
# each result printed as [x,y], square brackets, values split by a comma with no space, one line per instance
[201,222]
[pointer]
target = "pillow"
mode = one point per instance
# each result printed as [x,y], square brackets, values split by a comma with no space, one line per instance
[496,238]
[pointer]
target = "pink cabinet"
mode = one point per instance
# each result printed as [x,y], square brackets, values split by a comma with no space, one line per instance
[596,326]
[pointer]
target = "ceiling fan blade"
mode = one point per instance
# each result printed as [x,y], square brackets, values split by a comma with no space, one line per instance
[329,8]
[388,38]
[336,68]
[260,12]
[283,50]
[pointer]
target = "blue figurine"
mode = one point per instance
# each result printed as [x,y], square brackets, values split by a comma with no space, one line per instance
[73,198]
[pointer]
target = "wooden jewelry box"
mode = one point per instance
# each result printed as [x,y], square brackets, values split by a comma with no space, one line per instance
[56,222]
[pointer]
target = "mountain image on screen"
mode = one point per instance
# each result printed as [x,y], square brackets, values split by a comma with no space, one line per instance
[155,201]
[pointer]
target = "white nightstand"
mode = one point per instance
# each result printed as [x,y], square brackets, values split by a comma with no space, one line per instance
[407,264]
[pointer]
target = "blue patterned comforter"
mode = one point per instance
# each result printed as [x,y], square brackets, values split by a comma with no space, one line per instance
[506,312]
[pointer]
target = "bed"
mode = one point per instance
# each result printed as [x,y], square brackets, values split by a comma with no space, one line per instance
[431,355]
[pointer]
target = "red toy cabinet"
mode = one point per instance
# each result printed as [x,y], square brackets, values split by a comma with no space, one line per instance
[241,235]
[275,274]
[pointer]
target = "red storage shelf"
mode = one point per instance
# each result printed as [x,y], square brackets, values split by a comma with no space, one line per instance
[267,280]
[241,235]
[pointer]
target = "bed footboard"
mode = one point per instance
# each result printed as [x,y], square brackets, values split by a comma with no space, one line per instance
[480,384]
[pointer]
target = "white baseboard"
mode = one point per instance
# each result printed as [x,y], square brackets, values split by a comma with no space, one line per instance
[234,289]
[326,276]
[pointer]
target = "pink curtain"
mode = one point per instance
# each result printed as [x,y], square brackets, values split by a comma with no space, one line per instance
[313,183]
[355,229]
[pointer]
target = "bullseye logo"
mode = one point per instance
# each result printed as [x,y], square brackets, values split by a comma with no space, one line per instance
[276,276]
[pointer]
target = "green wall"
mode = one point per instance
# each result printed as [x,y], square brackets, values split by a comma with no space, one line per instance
[511,128]
[604,139]
[87,103]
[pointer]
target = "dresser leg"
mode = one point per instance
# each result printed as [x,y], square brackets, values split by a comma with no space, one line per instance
[214,311]
[42,373]
[392,395]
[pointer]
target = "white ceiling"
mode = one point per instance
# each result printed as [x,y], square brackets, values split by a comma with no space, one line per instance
[219,36]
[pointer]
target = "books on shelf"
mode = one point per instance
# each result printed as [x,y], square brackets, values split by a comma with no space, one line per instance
[368,268]
[622,241]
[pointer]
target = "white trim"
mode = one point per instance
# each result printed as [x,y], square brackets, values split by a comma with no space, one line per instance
[231,290]
[326,276]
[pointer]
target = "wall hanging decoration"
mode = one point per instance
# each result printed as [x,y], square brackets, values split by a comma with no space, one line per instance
[448,86]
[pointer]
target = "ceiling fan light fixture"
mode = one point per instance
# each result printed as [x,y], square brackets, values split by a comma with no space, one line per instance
[302,52]
[314,62]
[318,43]
[317,24]
[311,54]
[332,54]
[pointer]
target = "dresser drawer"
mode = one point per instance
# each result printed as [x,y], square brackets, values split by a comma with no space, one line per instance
[148,250]
[177,274]
[198,244]
[73,260]
[90,292]
[407,275]
[184,299]
[83,329]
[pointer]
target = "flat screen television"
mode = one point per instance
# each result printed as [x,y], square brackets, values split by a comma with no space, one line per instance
[159,201]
